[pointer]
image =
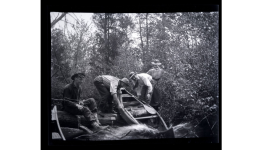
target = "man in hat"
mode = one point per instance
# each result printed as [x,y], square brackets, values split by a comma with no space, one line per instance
[108,86]
[143,85]
[74,105]
[156,72]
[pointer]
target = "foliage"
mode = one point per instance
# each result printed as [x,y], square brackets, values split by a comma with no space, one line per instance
[185,43]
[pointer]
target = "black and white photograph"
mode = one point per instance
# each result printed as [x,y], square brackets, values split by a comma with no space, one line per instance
[134,76]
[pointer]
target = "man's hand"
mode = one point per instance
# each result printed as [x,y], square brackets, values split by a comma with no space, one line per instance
[120,106]
[148,97]
[116,100]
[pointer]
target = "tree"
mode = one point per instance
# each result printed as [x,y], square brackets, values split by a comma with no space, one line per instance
[57,19]
[185,43]
[110,36]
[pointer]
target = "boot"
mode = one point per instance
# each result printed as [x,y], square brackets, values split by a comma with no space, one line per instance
[85,129]
[97,127]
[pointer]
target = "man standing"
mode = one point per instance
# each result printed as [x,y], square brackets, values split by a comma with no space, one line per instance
[74,105]
[143,85]
[156,72]
[108,86]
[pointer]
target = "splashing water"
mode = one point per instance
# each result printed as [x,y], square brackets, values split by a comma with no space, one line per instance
[141,131]
[130,132]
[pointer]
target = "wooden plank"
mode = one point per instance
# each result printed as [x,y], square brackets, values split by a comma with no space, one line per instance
[126,95]
[129,118]
[148,117]
[133,103]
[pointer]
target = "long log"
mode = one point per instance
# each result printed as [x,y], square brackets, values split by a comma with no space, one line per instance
[72,121]
[68,120]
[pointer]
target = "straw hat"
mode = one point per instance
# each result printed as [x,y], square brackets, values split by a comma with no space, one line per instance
[156,62]
[131,74]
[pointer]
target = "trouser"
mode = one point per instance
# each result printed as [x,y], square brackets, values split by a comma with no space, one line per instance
[87,110]
[106,97]
[143,93]
[155,97]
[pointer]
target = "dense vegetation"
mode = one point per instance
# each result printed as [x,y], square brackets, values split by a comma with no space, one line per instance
[185,43]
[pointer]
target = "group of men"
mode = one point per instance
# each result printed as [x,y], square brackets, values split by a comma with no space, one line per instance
[145,85]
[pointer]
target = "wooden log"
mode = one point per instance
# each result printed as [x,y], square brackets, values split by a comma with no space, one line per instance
[70,133]
[69,120]
[72,121]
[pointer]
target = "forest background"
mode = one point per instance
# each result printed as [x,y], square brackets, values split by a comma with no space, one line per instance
[186,43]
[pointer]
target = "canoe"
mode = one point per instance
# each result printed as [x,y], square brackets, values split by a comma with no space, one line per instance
[57,133]
[61,132]
[135,111]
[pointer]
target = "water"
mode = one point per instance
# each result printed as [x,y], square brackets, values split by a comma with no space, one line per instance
[141,131]
[124,133]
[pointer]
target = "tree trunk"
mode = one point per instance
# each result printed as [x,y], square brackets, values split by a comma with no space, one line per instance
[147,34]
[71,121]
[126,54]
[105,44]
[59,65]
[77,50]
[108,44]
[163,36]
[59,18]
[142,45]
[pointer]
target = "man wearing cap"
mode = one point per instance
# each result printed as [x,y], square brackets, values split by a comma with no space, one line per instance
[156,72]
[107,87]
[74,105]
[143,85]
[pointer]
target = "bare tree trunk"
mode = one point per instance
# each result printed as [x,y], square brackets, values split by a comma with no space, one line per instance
[163,36]
[126,47]
[147,34]
[77,50]
[60,67]
[56,20]
[142,45]
[105,44]
[108,43]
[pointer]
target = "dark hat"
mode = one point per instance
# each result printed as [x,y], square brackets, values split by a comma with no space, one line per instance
[131,74]
[156,62]
[77,75]
[125,80]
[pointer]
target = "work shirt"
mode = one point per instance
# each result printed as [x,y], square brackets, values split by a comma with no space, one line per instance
[72,92]
[156,73]
[109,82]
[144,80]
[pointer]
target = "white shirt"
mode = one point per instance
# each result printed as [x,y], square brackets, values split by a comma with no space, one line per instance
[144,80]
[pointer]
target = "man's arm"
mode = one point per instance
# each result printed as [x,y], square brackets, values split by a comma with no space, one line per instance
[79,97]
[150,72]
[148,84]
[149,88]
[116,100]
[67,95]
[113,91]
